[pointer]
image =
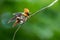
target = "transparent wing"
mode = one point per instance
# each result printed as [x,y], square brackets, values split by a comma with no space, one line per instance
[12,19]
[15,15]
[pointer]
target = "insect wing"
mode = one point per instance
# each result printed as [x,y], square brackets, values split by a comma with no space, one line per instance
[12,19]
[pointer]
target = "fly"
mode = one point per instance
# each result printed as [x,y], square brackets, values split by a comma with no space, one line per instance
[20,17]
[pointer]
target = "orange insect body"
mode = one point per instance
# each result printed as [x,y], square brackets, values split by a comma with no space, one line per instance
[26,12]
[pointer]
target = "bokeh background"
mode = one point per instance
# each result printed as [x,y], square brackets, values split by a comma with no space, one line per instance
[45,25]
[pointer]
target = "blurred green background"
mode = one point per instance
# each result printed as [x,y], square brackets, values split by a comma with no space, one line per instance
[45,25]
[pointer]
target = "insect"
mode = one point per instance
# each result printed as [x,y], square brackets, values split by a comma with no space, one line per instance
[20,17]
